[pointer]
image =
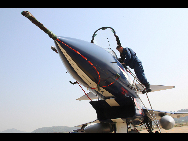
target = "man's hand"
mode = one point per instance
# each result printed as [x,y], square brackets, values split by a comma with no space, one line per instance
[120,60]
[124,65]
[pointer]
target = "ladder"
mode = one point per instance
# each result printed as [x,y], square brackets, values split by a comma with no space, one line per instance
[138,86]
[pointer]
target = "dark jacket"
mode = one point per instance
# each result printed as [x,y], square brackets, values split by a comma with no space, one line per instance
[128,56]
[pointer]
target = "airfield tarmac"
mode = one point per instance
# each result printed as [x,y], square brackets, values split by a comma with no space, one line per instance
[183,129]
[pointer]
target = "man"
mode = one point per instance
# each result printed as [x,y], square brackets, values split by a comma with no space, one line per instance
[129,58]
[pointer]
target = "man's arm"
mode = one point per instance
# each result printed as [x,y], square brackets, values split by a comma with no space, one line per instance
[127,55]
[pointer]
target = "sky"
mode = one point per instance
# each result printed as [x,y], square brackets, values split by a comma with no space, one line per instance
[34,87]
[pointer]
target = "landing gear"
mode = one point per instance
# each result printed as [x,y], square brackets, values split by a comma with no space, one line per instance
[125,128]
[121,127]
[148,122]
[132,129]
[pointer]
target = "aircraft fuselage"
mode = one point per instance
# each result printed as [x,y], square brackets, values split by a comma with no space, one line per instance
[94,67]
[101,72]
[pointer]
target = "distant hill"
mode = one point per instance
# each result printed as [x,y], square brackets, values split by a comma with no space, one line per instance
[183,110]
[55,129]
[181,119]
[12,131]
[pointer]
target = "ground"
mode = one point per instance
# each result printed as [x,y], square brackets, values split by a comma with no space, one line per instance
[182,129]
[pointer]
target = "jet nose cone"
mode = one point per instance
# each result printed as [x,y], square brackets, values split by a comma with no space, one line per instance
[75,54]
[76,45]
[72,48]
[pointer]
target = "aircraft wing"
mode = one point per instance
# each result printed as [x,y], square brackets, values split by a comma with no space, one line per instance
[160,114]
[155,87]
[84,97]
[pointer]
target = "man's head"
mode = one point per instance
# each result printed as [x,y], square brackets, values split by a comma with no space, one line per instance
[120,49]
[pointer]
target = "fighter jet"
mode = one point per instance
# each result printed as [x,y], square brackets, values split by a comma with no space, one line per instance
[113,95]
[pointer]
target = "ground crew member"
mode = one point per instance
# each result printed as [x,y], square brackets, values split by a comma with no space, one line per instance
[129,58]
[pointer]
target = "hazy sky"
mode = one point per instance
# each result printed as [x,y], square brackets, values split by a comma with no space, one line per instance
[34,87]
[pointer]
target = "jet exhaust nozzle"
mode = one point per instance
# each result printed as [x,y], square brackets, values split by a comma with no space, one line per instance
[99,128]
[167,122]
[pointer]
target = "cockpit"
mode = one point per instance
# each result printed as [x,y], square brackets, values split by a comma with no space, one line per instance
[106,38]
[111,52]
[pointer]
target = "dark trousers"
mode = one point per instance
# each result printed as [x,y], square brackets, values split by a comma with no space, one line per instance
[139,71]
